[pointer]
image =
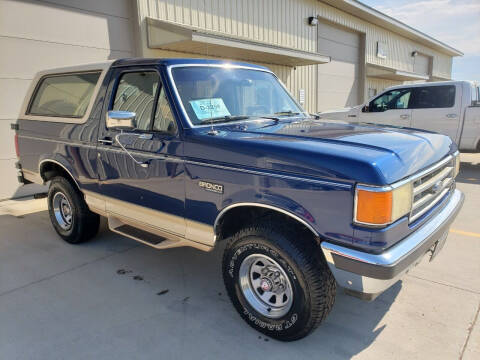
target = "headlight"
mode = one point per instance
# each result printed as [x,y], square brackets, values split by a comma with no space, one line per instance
[382,206]
[457,164]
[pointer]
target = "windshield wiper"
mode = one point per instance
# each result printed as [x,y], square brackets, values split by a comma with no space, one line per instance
[276,116]
[286,113]
[226,118]
[229,118]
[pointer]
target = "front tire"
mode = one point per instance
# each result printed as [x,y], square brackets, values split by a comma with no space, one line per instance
[278,280]
[70,216]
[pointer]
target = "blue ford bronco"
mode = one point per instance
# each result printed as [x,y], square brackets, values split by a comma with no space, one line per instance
[189,152]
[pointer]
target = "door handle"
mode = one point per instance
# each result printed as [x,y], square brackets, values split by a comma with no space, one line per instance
[106,140]
[404,116]
[451,116]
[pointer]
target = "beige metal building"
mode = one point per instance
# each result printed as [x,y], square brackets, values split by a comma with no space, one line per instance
[329,53]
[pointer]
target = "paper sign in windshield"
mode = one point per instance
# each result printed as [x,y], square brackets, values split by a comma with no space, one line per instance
[209,108]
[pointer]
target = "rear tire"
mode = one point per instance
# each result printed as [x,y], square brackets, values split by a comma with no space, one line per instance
[276,254]
[69,213]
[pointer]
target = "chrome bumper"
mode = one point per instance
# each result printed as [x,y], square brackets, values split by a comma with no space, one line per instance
[367,275]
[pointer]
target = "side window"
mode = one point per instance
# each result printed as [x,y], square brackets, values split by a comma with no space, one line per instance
[391,100]
[64,95]
[164,120]
[136,93]
[475,94]
[434,97]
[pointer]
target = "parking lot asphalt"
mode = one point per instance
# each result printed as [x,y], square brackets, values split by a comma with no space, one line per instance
[113,298]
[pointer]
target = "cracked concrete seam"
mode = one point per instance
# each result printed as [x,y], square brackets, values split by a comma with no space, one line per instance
[469,332]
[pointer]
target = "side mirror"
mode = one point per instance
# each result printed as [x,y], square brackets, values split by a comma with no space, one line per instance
[365,109]
[122,120]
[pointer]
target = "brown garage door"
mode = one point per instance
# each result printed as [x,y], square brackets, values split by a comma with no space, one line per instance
[340,80]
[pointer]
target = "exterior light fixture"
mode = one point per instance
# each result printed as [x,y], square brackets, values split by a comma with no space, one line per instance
[415,53]
[313,21]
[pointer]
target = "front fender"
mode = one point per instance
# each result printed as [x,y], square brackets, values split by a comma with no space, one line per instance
[277,203]
[326,208]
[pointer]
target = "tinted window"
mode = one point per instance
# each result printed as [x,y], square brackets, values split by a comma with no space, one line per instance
[475,94]
[136,93]
[164,121]
[64,95]
[391,100]
[434,97]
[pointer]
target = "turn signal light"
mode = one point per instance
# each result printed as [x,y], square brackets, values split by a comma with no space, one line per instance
[374,207]
[382,206]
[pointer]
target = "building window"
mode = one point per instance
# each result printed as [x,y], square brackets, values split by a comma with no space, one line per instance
[381,50]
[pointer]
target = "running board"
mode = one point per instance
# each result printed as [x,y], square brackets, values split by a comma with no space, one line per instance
[150,235]
[137,233]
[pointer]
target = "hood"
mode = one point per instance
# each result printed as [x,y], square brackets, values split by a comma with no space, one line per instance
[339,114]
[357,152]
[342,110]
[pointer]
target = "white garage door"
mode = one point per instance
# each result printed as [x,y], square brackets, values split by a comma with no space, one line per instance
[340,80]
[51,34]
[421,64]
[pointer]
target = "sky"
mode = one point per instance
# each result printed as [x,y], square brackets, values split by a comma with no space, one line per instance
[454,22]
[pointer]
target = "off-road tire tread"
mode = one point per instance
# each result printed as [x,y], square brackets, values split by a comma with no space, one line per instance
[305,252]
[87,224]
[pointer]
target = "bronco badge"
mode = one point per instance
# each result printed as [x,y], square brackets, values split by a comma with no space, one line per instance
[217,188]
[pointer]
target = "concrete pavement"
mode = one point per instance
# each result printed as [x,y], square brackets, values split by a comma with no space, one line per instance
[113,298]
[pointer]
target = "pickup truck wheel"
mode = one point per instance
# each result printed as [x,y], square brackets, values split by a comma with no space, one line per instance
[278,280]
[69,213]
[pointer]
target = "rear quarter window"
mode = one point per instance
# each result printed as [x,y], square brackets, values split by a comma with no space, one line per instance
[64,95]
[430,97]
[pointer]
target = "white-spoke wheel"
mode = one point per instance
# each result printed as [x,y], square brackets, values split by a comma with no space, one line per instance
[265,286]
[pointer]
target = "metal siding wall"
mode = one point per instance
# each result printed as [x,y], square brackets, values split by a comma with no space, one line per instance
[399,48]
[284,23]
[380,84]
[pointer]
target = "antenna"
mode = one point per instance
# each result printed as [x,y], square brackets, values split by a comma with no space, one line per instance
[212,129]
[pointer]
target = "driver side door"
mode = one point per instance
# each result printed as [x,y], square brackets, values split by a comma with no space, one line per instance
[390,108]
[141,171]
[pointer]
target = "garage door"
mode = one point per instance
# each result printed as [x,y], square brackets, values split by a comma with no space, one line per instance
[91,31]
[340,80]
[421,64]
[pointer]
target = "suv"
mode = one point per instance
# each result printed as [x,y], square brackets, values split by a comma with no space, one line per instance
[189,152]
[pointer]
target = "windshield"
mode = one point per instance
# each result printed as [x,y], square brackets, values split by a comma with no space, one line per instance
[226,94]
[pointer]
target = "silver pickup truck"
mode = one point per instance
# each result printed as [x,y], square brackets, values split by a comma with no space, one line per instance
[450,107]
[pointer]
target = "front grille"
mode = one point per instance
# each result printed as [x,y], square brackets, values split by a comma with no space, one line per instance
[430,188]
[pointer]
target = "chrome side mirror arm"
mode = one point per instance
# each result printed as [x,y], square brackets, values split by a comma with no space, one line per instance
[143,164]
